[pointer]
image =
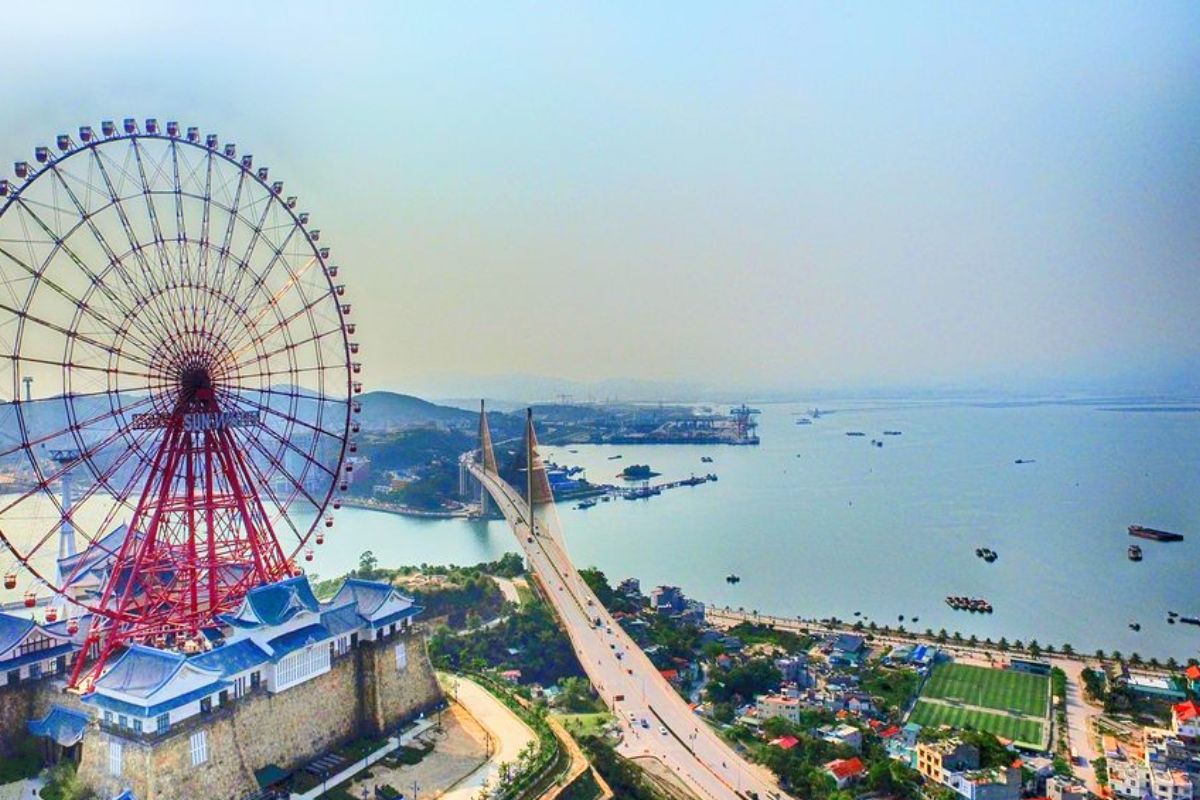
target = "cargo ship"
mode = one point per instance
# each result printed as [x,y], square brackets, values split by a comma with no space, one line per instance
[1156,535]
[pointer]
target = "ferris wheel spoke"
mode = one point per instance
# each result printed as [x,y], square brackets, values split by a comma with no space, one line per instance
[38,273]
[276,412]
[320,368]
[287,445]
[296,484]
[282,323]
[28,444]
[102,481]
[74,334]
[45,479]
[152,288]
[263,482]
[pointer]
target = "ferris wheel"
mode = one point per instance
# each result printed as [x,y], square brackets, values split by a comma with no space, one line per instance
[174,347]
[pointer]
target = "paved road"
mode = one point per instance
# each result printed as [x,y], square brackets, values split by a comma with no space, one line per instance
[656,722]
[1080,717]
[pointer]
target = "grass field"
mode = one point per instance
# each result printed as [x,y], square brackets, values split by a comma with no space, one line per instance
[1026,731]
[584,724]
[990,688]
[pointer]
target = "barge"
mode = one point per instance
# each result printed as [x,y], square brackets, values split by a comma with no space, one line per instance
[1155,535]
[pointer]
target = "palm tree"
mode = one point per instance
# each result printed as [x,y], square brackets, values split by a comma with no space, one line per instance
[1003,643]
[1100,654]
[1172,664]
[1067,649]
[1134,658]
[974,640]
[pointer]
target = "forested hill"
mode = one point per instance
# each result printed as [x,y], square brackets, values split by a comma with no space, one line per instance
[389,410]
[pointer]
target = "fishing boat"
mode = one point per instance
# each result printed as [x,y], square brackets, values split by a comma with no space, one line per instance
[1135,553]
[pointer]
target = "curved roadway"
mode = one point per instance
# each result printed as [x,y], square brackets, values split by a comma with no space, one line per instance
[656,721]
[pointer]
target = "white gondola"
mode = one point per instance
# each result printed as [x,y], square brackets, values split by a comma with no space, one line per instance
[332,270]
[340,289]
[350,327]
[354,348]
[152,126]
[22,169]
[231,150]
[324,252]
[345,309]
[247,161]
[355,427]
[42,154]
[357,404]
[357,390]
[277,188]
[63,142]
[262,173]
[314,234]
[172,129]
[108,128]
[85,133]
[292,199]
[130,125]
[3,187]
[303,217]
[193,134]
[210,141]
[356,368]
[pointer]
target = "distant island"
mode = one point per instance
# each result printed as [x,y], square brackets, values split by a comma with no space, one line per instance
[638,472]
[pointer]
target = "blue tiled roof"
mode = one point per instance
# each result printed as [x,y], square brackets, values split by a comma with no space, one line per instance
[274,603]
[368,596]
[63,725]
[141,671]
[297,639]
[66,648]
[343,619]
[411,611]
[122,707]
[12,631]
[231,659]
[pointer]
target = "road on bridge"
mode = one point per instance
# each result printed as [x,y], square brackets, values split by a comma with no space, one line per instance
[656,721]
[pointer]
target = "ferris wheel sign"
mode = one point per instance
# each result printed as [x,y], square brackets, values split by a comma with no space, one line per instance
[167,316]
[195,422]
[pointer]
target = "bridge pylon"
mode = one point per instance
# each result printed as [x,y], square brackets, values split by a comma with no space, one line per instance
[487,455]
[537,486]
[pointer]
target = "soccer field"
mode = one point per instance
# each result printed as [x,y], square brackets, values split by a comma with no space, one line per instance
[990,688]
[1025,731]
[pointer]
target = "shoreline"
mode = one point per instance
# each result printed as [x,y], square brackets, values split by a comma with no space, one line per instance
[407,511]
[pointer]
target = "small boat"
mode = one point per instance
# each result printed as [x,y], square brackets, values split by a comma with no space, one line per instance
[804,421]
[1170,620]
[892,433]
[1172,613]
[1190,620]
[605,498]
[858,613]
[732,578]
[1135,553]
[916,619]
[614,458]
[1025,461]
[855,433]
[1135,626]
[706,459]
[586,504]
[901,618]
[979,552]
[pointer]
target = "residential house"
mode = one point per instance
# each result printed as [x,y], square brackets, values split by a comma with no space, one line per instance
[845,771]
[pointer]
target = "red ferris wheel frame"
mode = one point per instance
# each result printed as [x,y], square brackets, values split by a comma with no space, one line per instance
[220,350]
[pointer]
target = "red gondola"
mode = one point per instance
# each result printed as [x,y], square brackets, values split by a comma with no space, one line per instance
[320,538]
[72,627]
[51,614]
[308,555]
[10,581]
[328,522]
[30,599]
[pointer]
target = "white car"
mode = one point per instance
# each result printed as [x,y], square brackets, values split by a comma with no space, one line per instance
[662,729]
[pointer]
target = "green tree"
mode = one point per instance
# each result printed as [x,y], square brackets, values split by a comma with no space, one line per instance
[367,566]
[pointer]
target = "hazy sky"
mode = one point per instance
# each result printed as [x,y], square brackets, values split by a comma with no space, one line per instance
[738,194]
